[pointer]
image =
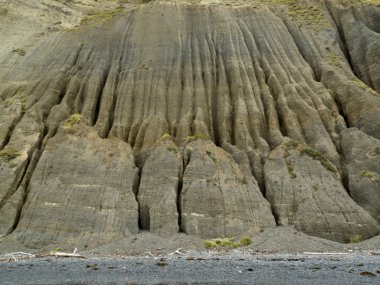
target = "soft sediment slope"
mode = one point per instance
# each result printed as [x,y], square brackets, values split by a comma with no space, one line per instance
[210,119]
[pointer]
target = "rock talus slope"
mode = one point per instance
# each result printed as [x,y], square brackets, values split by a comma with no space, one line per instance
[212,119]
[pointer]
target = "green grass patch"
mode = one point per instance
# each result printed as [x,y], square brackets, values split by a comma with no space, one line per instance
[197,137]
[363,86]
[55,250]
[172,149]
[371,175]
[226,243]
[291,172]
[356,3]
[316,155]
[165,137]
[102,16]
[71,121]
[355,239]
[290,145]
[245,241]
[303,13]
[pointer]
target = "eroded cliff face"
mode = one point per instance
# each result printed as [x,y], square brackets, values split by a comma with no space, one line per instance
[211,119]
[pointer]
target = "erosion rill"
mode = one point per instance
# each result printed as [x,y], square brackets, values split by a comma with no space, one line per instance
[215,119]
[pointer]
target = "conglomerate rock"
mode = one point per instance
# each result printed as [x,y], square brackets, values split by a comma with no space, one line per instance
[204,97]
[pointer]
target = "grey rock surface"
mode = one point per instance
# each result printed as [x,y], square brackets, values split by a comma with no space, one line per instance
[82,188]
[305,190]
[217,199]
[10,211]
[362,155]
[158,191]
[228,83]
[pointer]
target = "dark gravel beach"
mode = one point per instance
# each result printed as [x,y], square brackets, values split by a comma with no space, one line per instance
[197,268]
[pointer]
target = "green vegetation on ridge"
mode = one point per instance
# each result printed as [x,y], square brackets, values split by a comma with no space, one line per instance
[226,243]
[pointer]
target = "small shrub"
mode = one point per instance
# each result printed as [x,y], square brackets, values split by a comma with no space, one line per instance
[197,137]
[362,85]
[165,137]
[290,145]
[71,121]
[311,152]
[172,149]
[355,239]
[226,243]
[377,151]
[245,241]
[19,51]
[55,250]
[371,175]
[316,155]
[290,169]
[209,244]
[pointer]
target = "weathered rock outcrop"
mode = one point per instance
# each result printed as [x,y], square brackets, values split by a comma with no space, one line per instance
[10,211]
[362,155]
[158,191]
[204,97]
[82,187]
[305,190]
[217,199]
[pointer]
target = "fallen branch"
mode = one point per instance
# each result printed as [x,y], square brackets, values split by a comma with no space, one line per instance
[65,254]
[176,252]
[20,253]
[16,256]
